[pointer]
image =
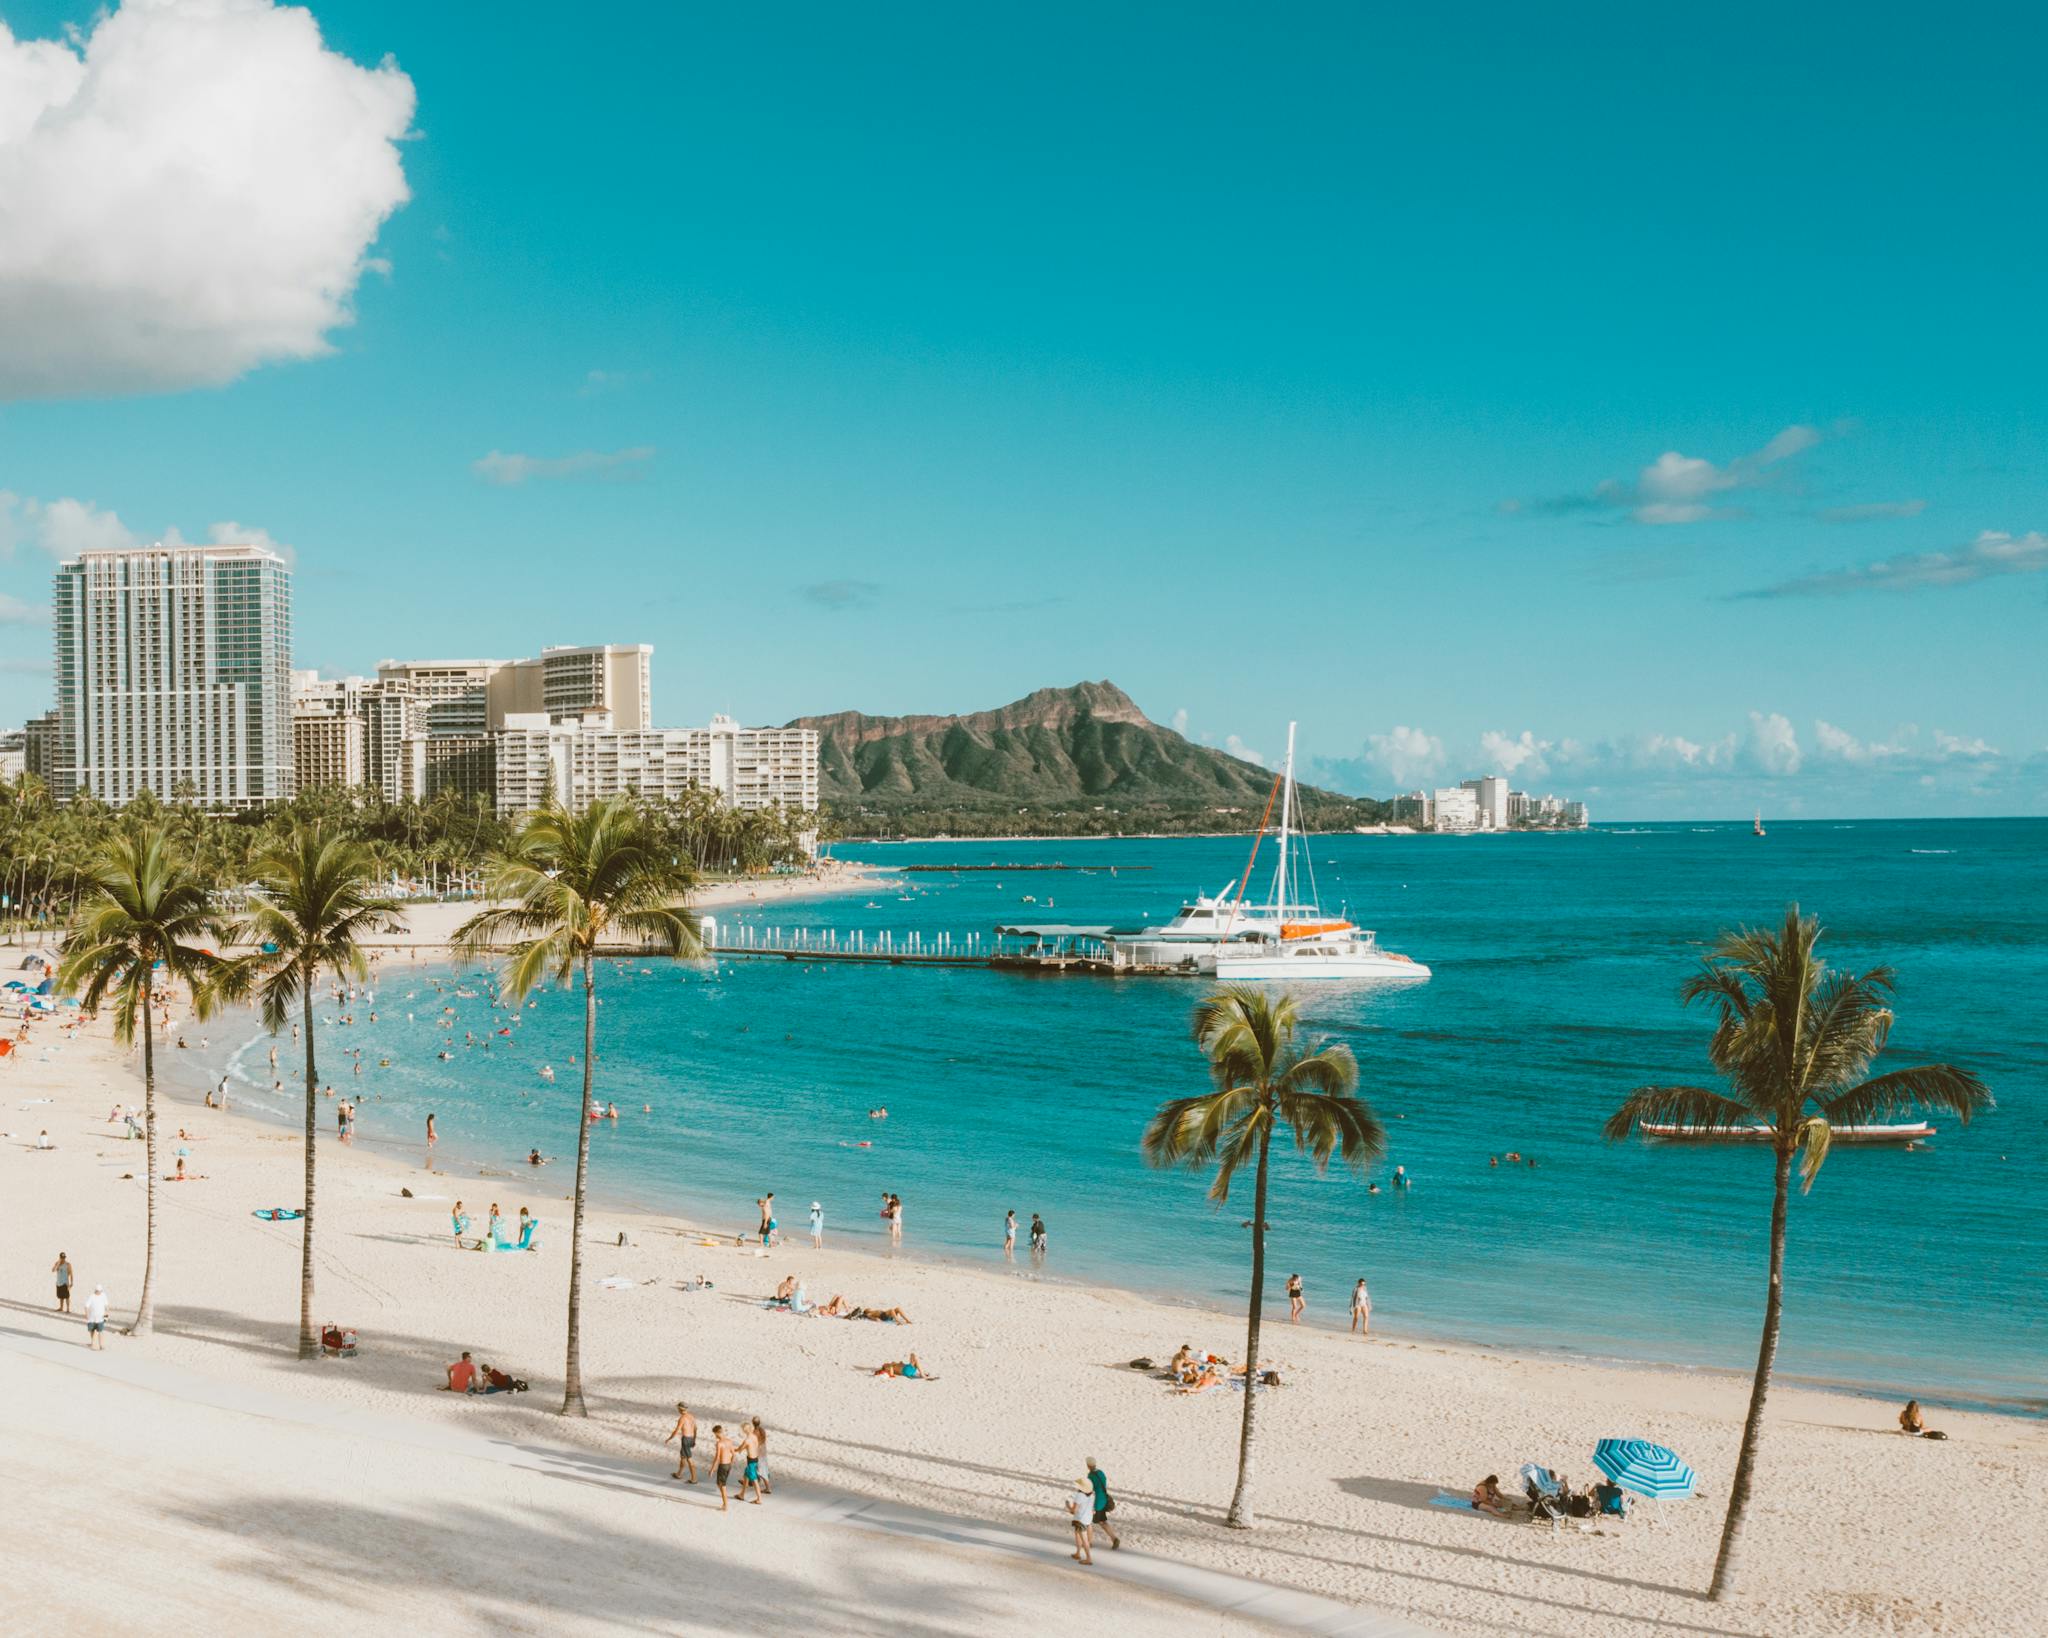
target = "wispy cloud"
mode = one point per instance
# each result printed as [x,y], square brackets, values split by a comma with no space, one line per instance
[14,612]
[841,594]
[603,381]
[510,470]
[1678,488]
[1991,554]
[1873,511]
[65,527]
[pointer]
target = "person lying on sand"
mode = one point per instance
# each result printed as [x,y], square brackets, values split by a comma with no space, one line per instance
[887,1316]
[1210,1376]
[907,1368]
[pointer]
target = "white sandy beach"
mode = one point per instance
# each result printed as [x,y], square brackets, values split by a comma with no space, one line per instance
[204,1479]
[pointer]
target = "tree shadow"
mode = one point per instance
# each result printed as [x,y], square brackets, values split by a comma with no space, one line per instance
[1400,1492]
[514,1568]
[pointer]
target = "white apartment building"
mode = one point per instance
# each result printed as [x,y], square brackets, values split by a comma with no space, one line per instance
[327,750]
[1456,807]
[468,697]
[578,760]
[173,675]
[1491,793]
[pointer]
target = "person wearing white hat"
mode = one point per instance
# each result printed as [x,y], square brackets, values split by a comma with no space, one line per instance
[817,1226]
[96,1318]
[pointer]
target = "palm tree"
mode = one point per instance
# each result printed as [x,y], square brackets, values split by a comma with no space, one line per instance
[1791,1037]
[1264,1078]
[565,887]
[311,910]
[144,909]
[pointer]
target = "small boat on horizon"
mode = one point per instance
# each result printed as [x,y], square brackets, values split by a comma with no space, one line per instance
[1905,1132]
[1758,826]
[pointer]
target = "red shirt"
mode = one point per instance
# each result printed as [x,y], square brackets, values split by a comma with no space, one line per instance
[460,1375]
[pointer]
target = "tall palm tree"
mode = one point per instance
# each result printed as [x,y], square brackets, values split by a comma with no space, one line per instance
[1793,1041]
[312,908]
[567,886]
[144,910]
[1264,1078]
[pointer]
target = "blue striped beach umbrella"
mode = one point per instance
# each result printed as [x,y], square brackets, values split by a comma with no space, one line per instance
[1647,1469]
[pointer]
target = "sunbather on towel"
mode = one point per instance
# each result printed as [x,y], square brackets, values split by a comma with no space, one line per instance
[910,1368]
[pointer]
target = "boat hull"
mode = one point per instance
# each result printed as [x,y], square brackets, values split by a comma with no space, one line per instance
[1914,1132]
[1229,969]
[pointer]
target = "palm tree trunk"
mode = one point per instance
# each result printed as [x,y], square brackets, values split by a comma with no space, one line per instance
[572,1367]
[309,1341]
[1240,1516]
[145,1310]
[1766,1356]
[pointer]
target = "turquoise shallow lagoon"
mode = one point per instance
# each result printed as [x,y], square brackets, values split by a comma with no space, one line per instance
[1556,960]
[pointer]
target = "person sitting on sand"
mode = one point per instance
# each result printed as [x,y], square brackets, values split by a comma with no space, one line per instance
[783,1293]
[910,1367]
[461,1376]
[1486,1496]
[1912,1423]
[1183,1361]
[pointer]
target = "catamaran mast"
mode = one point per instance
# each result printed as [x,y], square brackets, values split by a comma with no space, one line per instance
[1286,824]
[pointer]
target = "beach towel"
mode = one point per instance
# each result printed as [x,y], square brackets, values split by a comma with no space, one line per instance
[278,1214]
[616,1282]
[1443,1498]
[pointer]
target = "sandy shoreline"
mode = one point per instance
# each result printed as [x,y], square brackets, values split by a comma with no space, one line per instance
[1031,1377]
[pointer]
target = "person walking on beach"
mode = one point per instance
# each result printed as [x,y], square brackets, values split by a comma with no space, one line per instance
[1009,1236]
[432,1136]
[760,1436]
[1081,1510]
[461,1222]
[896,1219]
[1037,1241]
[750,1454]
[721,1461]
[1295,1301]
[96,1319]
[817,1226]
[62,1269]
[1105,1503]
[1361,1309]
[685,1435]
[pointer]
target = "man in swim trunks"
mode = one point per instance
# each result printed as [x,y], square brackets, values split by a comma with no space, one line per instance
[685,1431]
[62,1269]
[750,1475]
[721,1458]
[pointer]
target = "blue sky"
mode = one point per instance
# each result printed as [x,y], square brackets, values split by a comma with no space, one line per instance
[1647,405]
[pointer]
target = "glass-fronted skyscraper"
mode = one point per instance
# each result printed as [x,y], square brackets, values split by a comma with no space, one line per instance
[173,675]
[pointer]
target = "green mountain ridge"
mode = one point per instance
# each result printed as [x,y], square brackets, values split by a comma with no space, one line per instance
[1058,753]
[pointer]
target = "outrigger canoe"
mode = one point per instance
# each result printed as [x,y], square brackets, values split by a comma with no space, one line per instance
[1909,1132]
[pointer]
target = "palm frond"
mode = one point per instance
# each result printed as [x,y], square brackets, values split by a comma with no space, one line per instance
[1697,1108]
[1942,1088]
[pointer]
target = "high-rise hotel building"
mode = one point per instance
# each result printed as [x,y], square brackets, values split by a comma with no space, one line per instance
[173,675]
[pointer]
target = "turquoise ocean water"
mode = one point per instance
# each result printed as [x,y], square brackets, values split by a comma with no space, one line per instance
[1556,960]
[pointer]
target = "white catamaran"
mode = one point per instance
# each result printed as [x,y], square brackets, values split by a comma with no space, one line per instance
[1288,938]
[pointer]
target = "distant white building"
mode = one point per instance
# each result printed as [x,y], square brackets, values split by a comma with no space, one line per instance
[578,760]
[1455,807]
[1491,793]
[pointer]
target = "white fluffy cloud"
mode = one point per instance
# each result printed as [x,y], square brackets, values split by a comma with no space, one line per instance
[1773,744]
[1524,754]
[1408,755]
[14,612]
[187,191]
[1679,488]
[64,528]
[1946,744]
[1243,752]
